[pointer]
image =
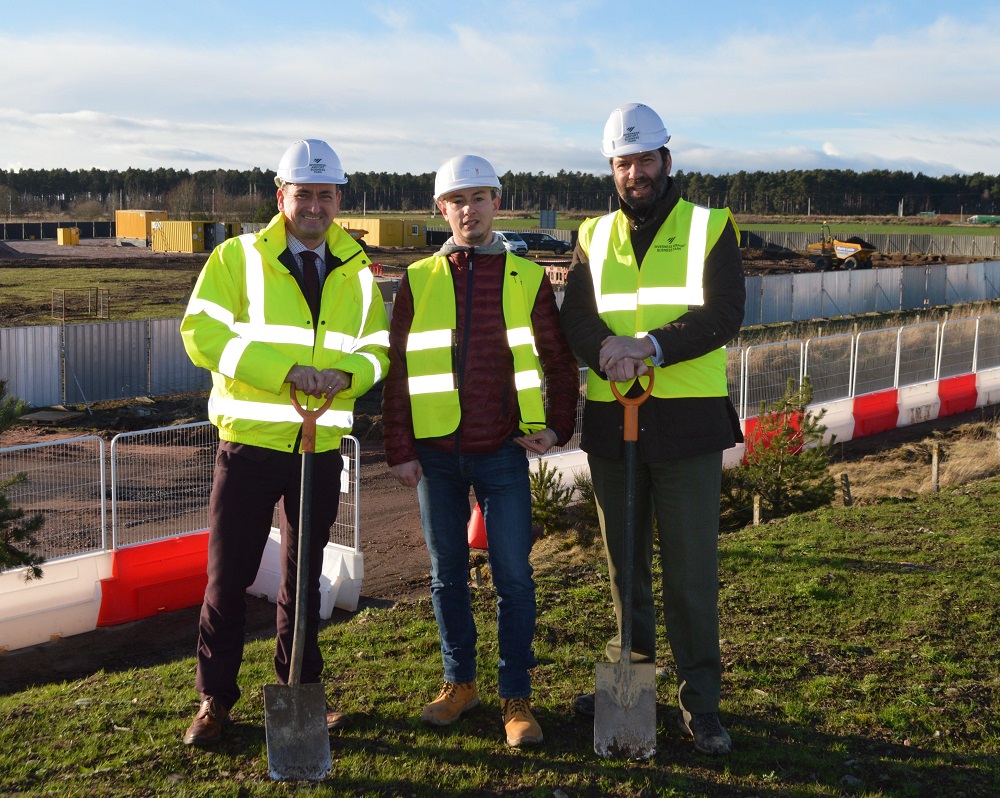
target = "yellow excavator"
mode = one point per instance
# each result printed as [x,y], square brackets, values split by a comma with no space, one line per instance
[832,253]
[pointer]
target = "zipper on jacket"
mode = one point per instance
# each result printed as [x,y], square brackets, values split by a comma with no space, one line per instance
[464,351]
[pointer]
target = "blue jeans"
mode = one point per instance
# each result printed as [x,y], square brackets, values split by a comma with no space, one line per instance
[502,488]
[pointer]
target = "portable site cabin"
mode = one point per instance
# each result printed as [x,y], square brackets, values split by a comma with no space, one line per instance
[385,232]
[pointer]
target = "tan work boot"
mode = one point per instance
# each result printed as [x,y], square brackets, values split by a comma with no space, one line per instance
[451,703]
[519,723]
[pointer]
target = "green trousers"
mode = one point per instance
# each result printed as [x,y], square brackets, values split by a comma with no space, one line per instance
[684,497]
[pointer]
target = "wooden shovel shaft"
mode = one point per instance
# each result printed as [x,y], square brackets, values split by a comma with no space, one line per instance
[308,448]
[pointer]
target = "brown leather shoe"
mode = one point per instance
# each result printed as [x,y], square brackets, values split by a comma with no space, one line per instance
[452,701]
[206,728]
[519,723]
[337,720]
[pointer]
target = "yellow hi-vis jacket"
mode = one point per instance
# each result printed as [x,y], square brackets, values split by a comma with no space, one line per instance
[432,382]
[248,323]
[633,301]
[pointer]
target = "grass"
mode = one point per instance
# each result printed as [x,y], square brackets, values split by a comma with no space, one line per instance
[149,292]
[859,650]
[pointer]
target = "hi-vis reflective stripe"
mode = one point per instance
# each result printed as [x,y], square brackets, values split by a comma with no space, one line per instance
[254,268]
[599,245]
[265,411]
[212,310]
[431,383]
[431,339]
[527,379]
[518,336]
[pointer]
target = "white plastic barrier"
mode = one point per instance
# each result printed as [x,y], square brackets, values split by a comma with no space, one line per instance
[339,584]
[838,420]
[988,387]
[918,403]
[65,602]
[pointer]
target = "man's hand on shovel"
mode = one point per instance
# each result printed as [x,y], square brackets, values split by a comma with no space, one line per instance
[313,382]
[623,358]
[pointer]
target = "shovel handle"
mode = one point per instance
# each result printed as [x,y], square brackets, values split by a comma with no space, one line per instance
[632,408]
[309,418]
[307,447]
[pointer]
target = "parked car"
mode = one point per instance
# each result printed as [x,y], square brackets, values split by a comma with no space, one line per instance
[513,242]
[545,242]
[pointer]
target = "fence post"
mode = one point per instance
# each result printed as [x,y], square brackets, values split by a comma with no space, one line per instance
[935,466]
[845,486]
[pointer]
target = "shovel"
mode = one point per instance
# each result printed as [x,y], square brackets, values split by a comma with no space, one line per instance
[298,742]
[625,700]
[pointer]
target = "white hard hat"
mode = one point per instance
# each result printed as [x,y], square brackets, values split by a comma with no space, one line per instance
[310,161]
[633,128]
[465,171]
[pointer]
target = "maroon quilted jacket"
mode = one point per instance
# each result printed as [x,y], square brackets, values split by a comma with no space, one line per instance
[483,362]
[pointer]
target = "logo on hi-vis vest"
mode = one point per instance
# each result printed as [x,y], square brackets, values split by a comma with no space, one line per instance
[670,245]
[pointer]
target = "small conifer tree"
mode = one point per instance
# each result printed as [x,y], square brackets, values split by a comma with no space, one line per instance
[786,463]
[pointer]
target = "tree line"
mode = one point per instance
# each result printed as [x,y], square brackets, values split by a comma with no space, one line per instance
[248,195]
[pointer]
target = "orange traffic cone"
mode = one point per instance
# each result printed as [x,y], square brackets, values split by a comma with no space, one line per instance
[477,529]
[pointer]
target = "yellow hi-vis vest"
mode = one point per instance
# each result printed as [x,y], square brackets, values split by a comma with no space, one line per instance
[633,301]
[432,382]
[248,323]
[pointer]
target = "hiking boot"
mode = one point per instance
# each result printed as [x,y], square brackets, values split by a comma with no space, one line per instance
[709,736]
[451,703]
[519,723]
[584,705]
[206,728]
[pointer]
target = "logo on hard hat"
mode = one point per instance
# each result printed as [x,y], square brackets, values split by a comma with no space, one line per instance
[630,135]
[317,166]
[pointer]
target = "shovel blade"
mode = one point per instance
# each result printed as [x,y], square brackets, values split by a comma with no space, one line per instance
[298,743]
[625,710]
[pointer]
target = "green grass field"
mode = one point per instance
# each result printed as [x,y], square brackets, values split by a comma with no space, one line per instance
[860,655]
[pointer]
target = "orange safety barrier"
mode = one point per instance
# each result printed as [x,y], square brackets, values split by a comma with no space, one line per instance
[957,394]
[876,412]
[150,578]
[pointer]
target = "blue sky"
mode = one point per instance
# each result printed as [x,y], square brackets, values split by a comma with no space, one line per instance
[403,86]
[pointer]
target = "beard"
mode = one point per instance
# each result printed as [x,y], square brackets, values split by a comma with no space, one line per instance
[634,193]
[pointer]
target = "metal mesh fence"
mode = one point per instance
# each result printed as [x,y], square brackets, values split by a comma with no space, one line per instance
[875,363]
[769,367]
[918,347]
[64,482]
[958,347]
[988,343]
[161,480]
[829,362]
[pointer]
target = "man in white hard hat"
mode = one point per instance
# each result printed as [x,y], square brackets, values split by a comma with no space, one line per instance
[293,306]
[658,284]
[474,332]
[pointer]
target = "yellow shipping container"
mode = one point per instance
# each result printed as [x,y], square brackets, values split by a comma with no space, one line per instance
[385,232]
[178,236]
[136,224]
[67,236]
